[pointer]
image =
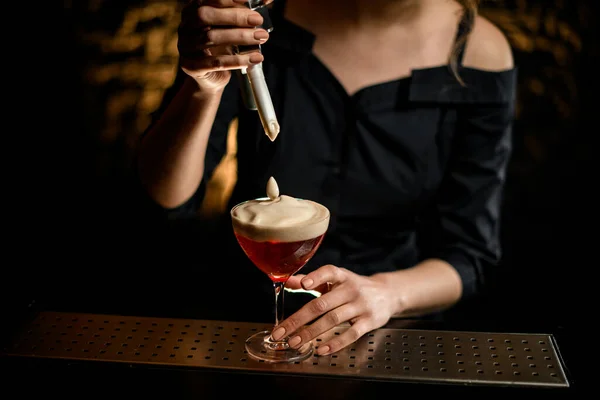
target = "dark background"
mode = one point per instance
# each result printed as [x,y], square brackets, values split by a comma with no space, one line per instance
[120,57]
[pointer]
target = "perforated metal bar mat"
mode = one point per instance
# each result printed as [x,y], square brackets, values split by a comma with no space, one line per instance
[474,358]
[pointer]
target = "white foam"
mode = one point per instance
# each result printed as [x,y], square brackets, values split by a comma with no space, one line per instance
[272,189]
[279,217]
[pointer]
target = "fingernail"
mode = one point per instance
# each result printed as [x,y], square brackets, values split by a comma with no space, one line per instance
[255,58]
[278,333]
[261,35]
[322,350]
[255,19]
[295,341]
[307,283]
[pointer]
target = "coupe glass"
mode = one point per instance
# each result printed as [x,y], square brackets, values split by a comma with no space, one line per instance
[279,260]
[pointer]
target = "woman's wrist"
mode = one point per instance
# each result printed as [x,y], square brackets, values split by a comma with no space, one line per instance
[393,284]
[430,286]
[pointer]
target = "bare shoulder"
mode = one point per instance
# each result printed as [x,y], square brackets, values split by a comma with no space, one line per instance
[488,48]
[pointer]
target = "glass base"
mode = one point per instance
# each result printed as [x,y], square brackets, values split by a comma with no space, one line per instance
[260,347]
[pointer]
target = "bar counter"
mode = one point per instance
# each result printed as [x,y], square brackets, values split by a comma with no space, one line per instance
[79,354]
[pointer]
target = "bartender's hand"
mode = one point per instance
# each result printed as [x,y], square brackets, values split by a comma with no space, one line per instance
[364,302]
[207,33]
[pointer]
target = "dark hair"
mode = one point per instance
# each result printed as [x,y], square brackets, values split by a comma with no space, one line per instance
[470,9]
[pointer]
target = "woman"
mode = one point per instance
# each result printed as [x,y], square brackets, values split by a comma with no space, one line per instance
[396,115]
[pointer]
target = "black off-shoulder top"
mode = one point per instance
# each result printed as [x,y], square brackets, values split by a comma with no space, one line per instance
[409,169]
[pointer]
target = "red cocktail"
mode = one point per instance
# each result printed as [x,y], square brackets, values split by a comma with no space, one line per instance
[279,260]
[279,234]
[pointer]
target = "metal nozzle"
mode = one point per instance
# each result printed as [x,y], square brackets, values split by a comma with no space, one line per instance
[253,86]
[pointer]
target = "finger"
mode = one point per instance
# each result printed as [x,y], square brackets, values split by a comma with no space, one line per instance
[351,335]
[211,16]
[244,2]
[215,3]
[227,3]
[222,3]
[200,40]
[221,63]
[309,312]
[327,273]
[239,36]
[294,282]
[190,9]
[327,322]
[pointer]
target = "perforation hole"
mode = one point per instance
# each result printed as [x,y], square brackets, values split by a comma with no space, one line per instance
[401,349]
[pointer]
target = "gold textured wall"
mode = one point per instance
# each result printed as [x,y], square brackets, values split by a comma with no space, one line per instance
[129,54]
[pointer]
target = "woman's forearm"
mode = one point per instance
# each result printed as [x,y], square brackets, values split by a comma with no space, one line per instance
[430,286]
[171,155]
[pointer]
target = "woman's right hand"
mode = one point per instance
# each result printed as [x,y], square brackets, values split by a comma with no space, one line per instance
[208,32]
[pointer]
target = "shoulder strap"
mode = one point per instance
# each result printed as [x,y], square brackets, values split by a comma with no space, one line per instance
[465,26]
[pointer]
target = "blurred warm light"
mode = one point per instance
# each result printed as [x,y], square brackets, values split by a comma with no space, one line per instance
[137,60]
[223,180]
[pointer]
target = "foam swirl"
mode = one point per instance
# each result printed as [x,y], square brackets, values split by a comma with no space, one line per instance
[279,218]
[272,189]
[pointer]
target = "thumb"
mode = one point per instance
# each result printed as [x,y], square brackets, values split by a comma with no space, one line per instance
[294,282]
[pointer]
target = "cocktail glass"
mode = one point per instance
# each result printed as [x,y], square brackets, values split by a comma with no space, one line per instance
[279,260]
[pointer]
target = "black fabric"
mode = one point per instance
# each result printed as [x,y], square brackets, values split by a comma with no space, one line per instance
[409,169]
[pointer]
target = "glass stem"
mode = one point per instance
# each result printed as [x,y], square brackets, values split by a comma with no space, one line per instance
[278,286]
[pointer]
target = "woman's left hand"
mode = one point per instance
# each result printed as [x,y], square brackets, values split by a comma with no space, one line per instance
[366,303]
